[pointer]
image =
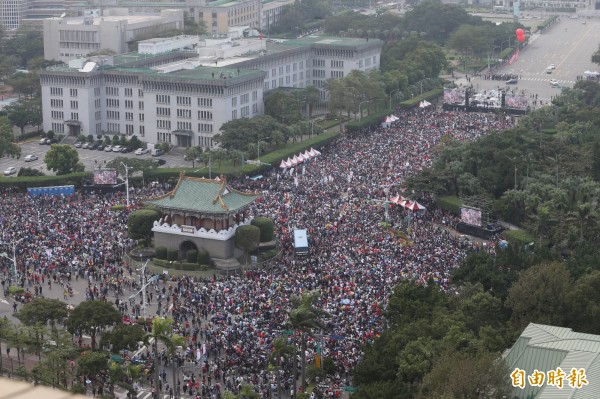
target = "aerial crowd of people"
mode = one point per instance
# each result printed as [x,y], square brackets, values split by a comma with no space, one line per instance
[355,260]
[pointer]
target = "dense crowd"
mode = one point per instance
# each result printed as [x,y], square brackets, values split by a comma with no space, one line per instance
[354,260]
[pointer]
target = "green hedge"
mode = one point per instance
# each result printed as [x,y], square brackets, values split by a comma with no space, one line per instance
[160,252]
[180,265]
[160,262]
[429,96]
[367,121]
[28,136]
[203,257]
[266,227]
[22,183]
[518,238]
[449,203]
[172,254]
[117,208]
[191,256]
[271,158]
[13,289]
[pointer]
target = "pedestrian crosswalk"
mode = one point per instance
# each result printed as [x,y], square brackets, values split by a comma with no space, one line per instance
[539,79]
[147,394]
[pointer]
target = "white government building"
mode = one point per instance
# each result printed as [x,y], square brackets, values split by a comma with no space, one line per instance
[185,95]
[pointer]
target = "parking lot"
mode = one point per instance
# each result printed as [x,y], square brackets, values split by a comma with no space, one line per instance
[91,159]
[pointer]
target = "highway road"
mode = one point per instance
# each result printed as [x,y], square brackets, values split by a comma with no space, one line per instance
[569,45]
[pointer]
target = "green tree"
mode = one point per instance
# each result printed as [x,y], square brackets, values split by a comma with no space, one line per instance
[63,159]
[162,332]
[280,355]
[283,106]
[5,332]
[92,317]
[539,296]
[243,134]
[247,238]
[140,223]
[29,172]
[465,375]
[123,336]
[42,311]
[19,117]
[193,154]
[92,363]
[7,139]
[305,317]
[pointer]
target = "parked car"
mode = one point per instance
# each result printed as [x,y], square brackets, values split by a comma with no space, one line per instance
[100,147]
[512,81]
[42,141]
[77,145]
[159,162]
[126,149]
[141,151]
[108,148]
[94,146]
[10,171]
[551,66]
[156,152]
[116,148]
[85,145]
[30,158]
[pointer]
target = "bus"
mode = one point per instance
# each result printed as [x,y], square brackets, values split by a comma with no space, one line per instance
[500,9]
[300,242]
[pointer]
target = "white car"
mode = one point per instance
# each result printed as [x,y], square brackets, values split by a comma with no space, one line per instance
[108,148]
[10,171]
[554,83]
[551,66]
[141,151]
[30,158]
[116,148]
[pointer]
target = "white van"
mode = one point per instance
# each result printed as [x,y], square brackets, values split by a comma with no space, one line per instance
[156,152]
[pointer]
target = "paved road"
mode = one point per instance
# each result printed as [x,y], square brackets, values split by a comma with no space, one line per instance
[91,159]
[569,45]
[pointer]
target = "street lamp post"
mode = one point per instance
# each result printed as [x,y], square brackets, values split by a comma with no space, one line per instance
[360,104]
[312,127]
[126,181]
[513,160]
[391,93]
[14,255]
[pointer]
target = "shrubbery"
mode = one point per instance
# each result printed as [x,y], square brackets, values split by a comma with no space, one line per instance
[172,254]
[191,256]
[203,257]
[161,253]
[266,227]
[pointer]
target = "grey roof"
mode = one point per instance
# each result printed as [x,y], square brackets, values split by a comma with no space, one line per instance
[544,348]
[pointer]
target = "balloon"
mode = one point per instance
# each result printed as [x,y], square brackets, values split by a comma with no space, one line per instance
[521,38]
[520,32]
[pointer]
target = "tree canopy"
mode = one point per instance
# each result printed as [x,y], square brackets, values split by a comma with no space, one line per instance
[92,317]
[63,159]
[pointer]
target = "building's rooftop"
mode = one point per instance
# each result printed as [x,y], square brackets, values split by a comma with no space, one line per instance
[111,18]
[203,196]
[545,348]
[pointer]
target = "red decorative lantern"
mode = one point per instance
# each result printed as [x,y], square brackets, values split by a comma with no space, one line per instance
[520,32]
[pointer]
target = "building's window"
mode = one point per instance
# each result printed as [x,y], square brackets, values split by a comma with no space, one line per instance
[233,101]
[112,91]
[244,98]
[163,99]
[205,102]
[255,108]
[141,105]
[58,127]
[141,117]
[184,113]
[163,124]
[129,129]
[74,116]
[184,125]
[113,115]
[98,115]
[205,127]
[98,128]
[56,91]
[245,111]
[162,111]
[184,100]
[128,116]
[54,103]
[142,131]
[128,104]
[234,114]
[73,92]
[205,115]
[254,95]
[57,114]
[97,103]
[128,92]
[96,91]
